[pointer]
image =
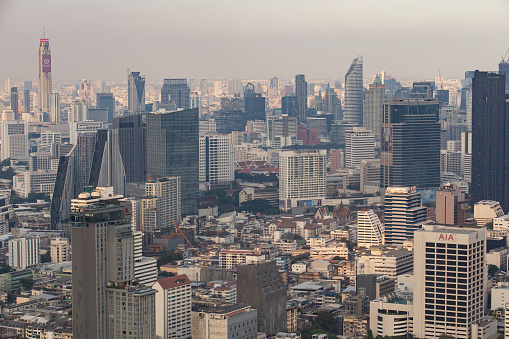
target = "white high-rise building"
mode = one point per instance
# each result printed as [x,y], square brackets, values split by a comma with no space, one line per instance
[48,139]
[54,107]
[354,95]
[360,145]
[450,282]
[168,203]
[370,231]
[14,139]
[173,307]
[59,250]
[486,210]
[24,252]
[302,178]
[216,160]
[145,268]
[78,110]
[84,126]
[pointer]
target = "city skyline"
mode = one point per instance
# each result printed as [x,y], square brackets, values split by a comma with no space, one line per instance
[324,37]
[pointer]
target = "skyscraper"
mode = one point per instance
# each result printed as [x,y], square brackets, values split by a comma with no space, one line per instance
[403,214]
[301,92]
[373,109]
[503,68]
[370,231]
[105,305]
[167,193]
[332,104]
[289,105]
[354,92]
[54,108]
[135,92]
[360,145]
[15,102]
[490,137]
[26,101]
[216,160]
[132,145]
[450,282]
[173,150]
[106,100]
[177,91]
[45,84]
[14,139]
[254,104]
[410,145]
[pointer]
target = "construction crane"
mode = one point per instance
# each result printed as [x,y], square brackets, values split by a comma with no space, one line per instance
[504,57]
[204,261]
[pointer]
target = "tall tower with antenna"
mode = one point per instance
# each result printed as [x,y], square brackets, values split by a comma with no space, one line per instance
[45,87]
[503,68]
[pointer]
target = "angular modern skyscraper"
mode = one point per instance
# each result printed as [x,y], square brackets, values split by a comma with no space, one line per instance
[289,105]
[15,102]
[301,92]
[373,109]
[135,92]
[354,92]
[490,137]
[176,90]
[45,84]
[132,145]
[173,150]
[106,100]
[503,68]
[410,145]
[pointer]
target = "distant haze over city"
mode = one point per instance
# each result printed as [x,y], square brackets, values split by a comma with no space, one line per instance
[238,39]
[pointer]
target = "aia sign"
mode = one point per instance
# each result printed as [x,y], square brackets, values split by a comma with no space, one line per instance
[446,237]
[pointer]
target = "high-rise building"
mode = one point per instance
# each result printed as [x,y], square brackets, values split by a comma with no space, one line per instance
[105,304]
[167,192]
[14,135]
[27,85]
[403,214]
[281,126]
[24,251]
[332,104]
[145,268]
[370,231]
[26,101]
[196,102]
[503,68]
[289,105]
[490,139]
[78,110]
[274,83]
[173,150]
[410,144]
[216,160]
[360,145]
[15,102]
[7,220]
[450,282]
[45,84]
[135,92]
[301,92]
[54,108]
[224,321]
[261,286]
[173,307]
[75,128]
[354,92]
[177,91]
[302,178]
[132,144]
[451,207]
[373,109]
[107,101]
[254,104]
[59,250]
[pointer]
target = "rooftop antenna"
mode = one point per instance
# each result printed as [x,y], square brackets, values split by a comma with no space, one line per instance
[505,56]
[44,32]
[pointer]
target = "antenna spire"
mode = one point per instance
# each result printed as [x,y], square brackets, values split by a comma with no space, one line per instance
[44,32]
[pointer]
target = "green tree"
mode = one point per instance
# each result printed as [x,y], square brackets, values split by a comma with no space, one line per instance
[26,283]
[46,257]
[492,270]
[169,257]
[325,321]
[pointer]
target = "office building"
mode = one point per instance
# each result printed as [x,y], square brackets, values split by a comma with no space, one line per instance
[168,193]
[360,145]
[54,108]
[410,145]
[132,145]
[48,139]
[370,231]
[301,93]
[216,160]
[376,286]
[78,110]
[503,68]
[289,106]
[332,104]
[486,210]
[390,262]
[261,286]
[224,321]
[40,181]
[173,307]
[103,271]
[373,109]
[75,128]
[178,91]
[451,207]
[196,102]
[135,92]
[354,92]
[24,251]
[26,101]
[254,104]
[403,214]
[85,89]
[422,89]
[145,268]
[302,178]
[173,150]
[450,282]
[14,135]
[370,176]
[15,102]
[59,250]
[7,216]
[106,101]
[281,126]
[490,138]
[45,83]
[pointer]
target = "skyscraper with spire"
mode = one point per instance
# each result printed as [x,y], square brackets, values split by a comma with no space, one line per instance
[354,92]
[45,88]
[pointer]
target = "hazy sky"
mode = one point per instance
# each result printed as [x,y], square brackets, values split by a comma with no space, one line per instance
[256,38]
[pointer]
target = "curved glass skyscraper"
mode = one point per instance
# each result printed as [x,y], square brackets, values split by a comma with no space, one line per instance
[354,92]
